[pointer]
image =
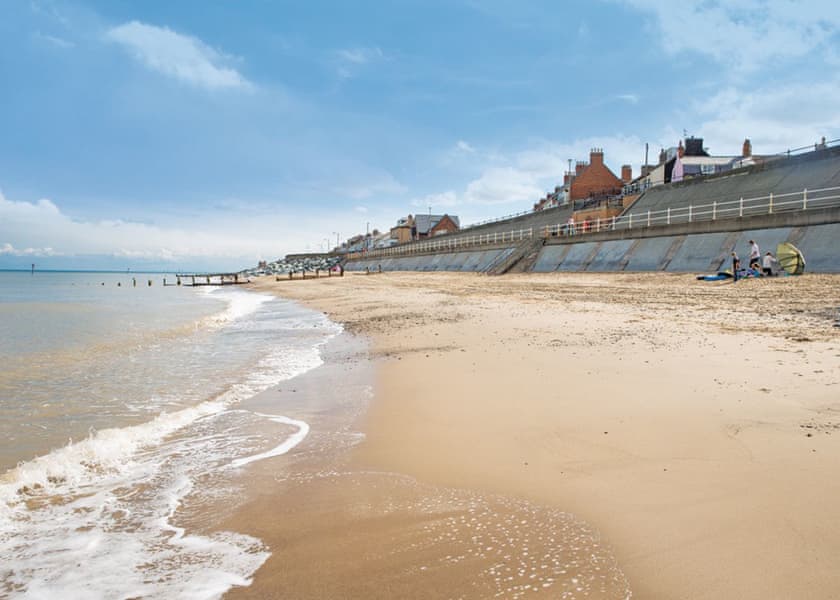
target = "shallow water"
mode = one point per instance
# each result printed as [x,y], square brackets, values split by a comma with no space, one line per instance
[118,404]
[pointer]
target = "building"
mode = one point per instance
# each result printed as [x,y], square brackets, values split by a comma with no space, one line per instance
[593,179]
[687,161]
[446,224]
[425,226]
[551,200]
[401,232]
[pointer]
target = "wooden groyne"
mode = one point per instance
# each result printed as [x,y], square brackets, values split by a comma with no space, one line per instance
[204,279]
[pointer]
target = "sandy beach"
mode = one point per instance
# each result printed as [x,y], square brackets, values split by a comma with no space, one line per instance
[570,435]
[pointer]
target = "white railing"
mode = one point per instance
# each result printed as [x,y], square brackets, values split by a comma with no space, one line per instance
[716,210]
[743,207]
[441,245]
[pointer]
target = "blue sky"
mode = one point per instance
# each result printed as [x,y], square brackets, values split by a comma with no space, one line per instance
[212,134]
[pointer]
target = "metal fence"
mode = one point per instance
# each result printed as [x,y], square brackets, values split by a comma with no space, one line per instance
[743,207]
[713,211]
[444,244]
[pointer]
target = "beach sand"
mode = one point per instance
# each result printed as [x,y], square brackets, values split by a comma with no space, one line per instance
[578,434]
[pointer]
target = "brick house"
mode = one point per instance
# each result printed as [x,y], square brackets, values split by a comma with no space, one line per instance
[595,178]
[428,225]
[446,224]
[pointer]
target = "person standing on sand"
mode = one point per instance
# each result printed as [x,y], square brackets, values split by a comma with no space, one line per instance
[755,253]
[736,264]
[767,264]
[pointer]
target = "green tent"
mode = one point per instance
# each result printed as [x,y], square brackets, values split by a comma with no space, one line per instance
[790,259]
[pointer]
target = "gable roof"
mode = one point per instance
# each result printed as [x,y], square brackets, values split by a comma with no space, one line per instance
[425,223]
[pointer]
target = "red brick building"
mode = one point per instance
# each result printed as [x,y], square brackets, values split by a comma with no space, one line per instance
[594,179]
[446,225]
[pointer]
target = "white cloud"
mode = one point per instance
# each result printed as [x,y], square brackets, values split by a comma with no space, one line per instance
[440,201]
[220,239]
[630,98]
[464,147]
[351,60]
[747,34]
[377,185]
[10,250]
[53,40]
[361,209]
[41,228]
[360,56]
[504,185]
[764,115]
[176,55]
[517,180]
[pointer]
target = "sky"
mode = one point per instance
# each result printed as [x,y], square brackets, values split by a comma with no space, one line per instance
[202,135]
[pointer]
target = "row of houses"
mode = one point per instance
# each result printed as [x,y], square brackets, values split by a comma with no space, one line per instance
[407,229]
[594,189]
[594,180]
[597,192]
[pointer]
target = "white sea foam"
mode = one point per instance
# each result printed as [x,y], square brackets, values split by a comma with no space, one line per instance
[289,443]
[96,518]
[239,304]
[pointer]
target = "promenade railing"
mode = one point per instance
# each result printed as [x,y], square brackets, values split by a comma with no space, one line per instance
[433,245]
[713,211]
[693,213]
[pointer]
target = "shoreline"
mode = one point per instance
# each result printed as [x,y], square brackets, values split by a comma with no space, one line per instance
[671,415]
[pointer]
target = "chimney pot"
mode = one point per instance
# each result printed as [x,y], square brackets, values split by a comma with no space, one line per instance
[626,173]
[746,151]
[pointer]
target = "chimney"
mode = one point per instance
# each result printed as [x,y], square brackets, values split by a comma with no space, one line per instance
[566,177]
[626,173]
[694,147]
[596,156]
[663,156]
[680,150]
[746,151]
[579,167]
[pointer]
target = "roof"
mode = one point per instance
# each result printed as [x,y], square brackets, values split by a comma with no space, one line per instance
[424,223]
[706,160]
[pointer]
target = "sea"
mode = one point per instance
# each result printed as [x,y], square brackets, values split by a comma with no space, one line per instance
[123,417]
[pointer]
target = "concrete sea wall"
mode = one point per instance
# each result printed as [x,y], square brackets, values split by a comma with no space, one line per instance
[705,252]
[477,260]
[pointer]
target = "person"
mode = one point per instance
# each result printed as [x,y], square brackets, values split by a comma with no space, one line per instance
[736,264]
[755,253]
[570,226]
[767,264]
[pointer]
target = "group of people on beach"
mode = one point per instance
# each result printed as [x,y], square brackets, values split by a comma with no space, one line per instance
[758,266]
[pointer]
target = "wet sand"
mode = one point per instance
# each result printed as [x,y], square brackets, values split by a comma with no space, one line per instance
[683,435]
